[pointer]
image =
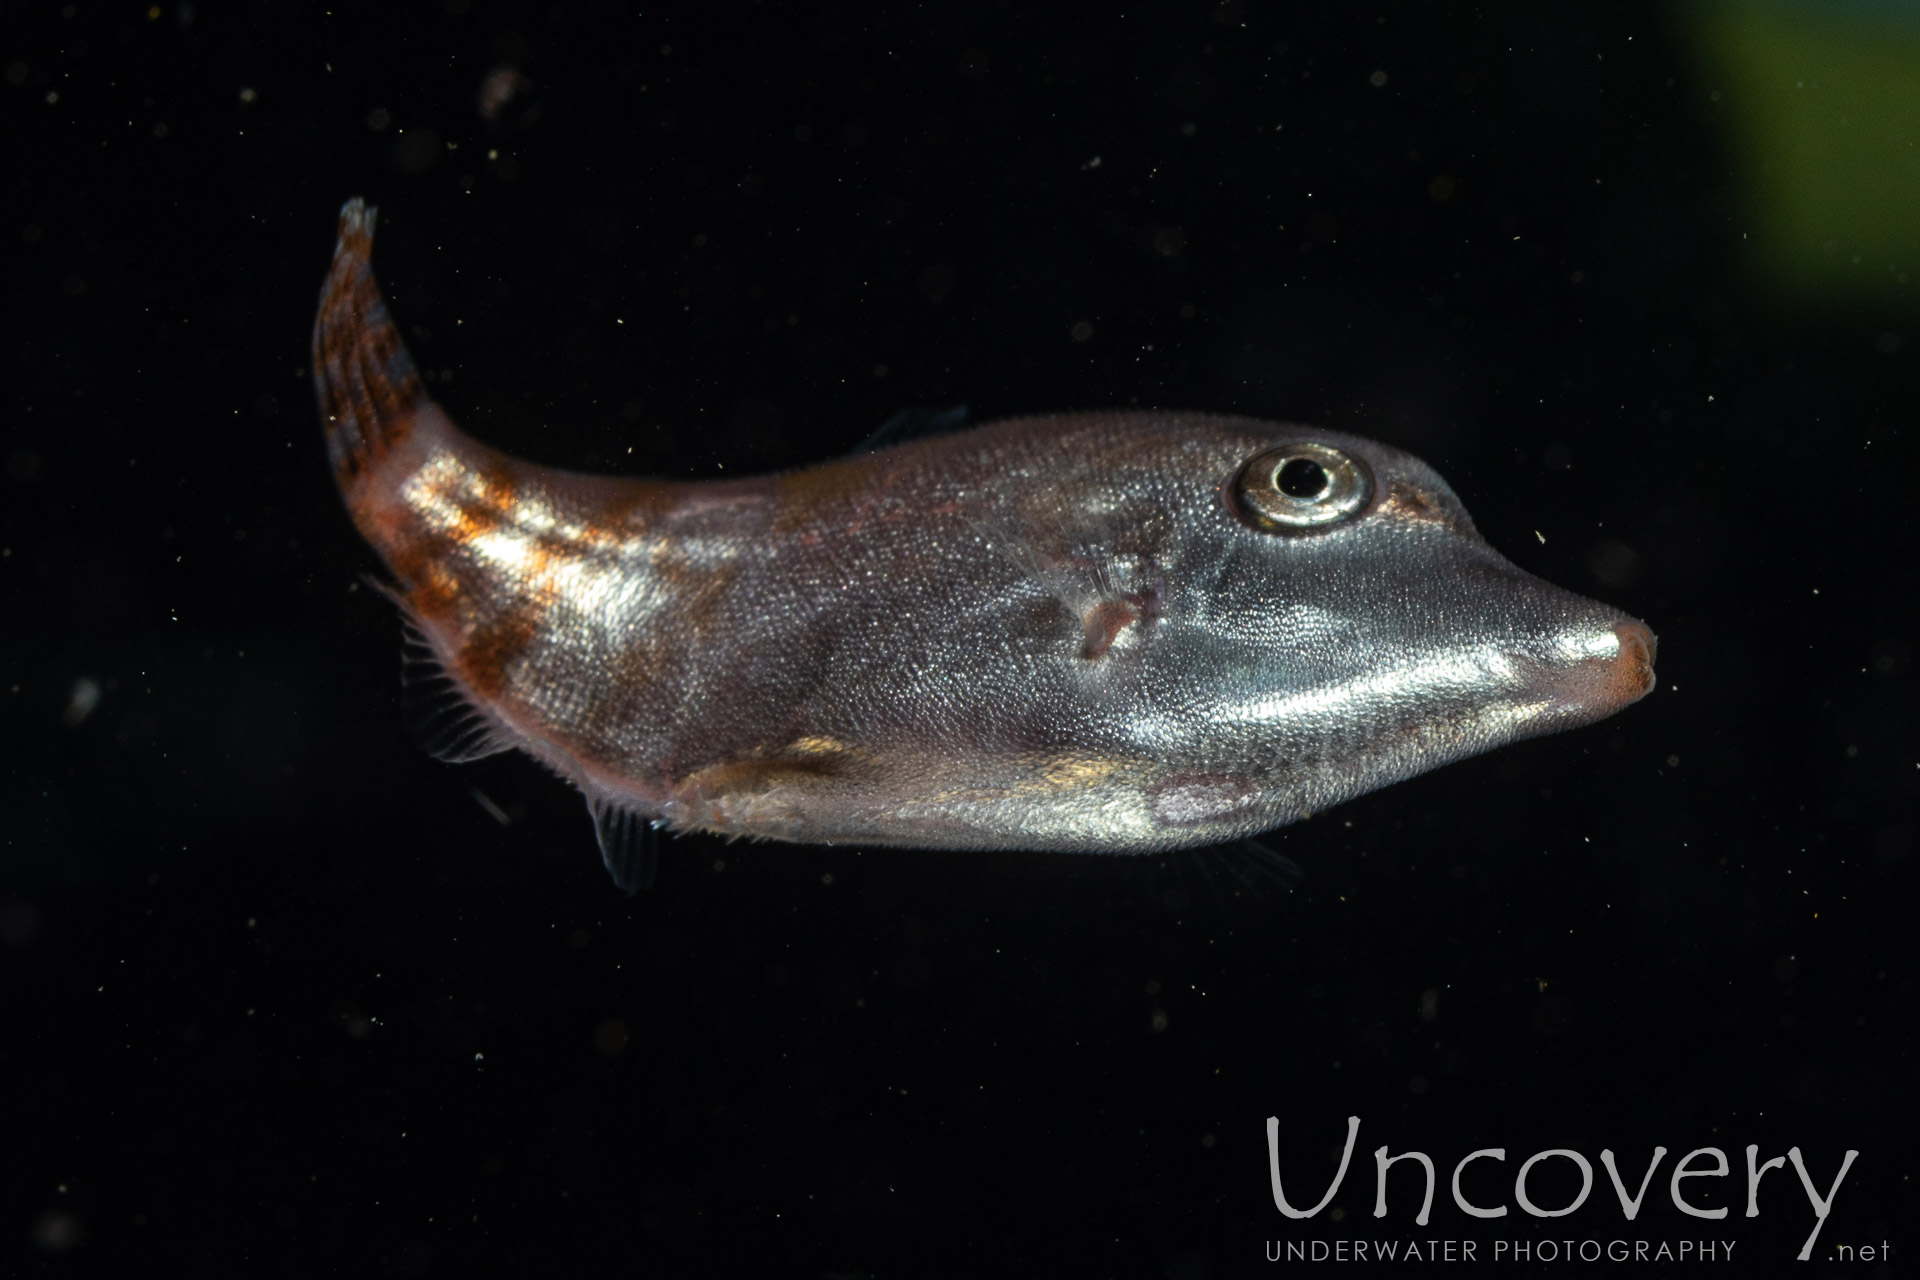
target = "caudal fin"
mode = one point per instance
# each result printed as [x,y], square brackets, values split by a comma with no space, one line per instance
[369,390]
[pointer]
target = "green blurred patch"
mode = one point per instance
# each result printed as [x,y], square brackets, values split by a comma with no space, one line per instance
[1824,105]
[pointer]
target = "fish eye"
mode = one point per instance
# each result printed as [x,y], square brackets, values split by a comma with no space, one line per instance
[1299,487]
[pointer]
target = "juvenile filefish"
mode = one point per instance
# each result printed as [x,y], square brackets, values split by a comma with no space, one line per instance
[1099,632]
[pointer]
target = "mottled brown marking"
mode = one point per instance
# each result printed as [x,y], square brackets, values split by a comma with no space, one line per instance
[489,651]
[368,389]
[834,482]
[700,593]
[474,520]
[499,487]
[416,555]
[639,659]
[1414,505]
[432,588]
[863,489]
[619,509]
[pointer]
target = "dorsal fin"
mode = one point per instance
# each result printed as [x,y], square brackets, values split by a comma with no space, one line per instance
[913,424]
[629,844]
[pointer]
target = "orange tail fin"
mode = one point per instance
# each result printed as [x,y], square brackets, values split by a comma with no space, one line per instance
[368,388]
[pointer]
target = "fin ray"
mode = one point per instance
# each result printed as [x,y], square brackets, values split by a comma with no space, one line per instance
[368,388]
[1258,868]
[440,713]
[913,424]
[443,716]
[629,844]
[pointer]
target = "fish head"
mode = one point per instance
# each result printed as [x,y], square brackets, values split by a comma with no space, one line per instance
[1337,623]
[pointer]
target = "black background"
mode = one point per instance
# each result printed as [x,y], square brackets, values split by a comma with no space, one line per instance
[281,990]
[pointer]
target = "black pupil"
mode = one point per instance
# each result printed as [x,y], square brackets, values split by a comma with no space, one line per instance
[1303,478]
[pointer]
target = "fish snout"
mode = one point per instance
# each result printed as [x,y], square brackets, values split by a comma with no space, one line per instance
[1633,664]
[1601,667]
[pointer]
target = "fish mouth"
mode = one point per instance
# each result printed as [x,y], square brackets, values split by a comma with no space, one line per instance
[1633,668]
[1603,670]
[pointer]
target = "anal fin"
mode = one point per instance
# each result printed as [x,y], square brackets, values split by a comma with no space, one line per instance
[629,844]
[439,711]
[1257,869]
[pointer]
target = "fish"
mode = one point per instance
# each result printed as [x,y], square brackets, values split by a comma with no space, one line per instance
[1102,632]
